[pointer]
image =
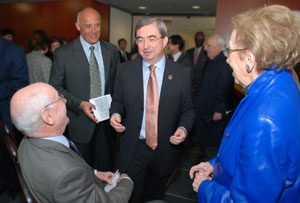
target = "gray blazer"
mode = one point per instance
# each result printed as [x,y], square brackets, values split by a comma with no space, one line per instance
[55,173]
[70,76]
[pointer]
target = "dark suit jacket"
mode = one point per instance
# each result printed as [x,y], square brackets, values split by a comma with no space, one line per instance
[175,109]
[199,67]
[13,74]
[70,76]
[213,95]
[184,60]
[122,59]
[55,173]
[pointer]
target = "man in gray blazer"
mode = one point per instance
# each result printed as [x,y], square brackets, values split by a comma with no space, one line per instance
[70,75]
[53,171]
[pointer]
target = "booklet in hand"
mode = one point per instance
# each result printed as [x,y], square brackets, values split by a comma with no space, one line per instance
[115,178]
[102,107]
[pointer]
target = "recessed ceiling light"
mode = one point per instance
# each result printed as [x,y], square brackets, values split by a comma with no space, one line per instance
[196,7]
[142,7]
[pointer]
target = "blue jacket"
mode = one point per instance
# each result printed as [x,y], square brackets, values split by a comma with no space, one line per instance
[13,74]
[259,157]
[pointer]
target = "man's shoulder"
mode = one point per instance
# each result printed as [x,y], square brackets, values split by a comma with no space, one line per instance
[108,45]
[10,47]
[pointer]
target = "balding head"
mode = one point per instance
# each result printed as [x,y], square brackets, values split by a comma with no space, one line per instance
[89,25]
[28,112]
[214,45]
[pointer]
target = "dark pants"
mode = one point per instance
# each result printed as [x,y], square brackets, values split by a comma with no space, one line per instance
[98,153]
[144,171]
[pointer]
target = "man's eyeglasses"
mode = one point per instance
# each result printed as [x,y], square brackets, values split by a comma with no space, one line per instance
[61,97]
[150,40]
[228,51]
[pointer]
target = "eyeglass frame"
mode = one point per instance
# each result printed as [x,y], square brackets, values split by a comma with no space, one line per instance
[151,39]
[228,51]
[61,97]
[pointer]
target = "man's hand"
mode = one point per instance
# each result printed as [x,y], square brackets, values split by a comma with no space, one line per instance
[178,137]
[115,122]
[105,176]
[87,109]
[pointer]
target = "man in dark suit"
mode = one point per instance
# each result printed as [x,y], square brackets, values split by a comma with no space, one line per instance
[213,97]
[198,57]
[52,170]
[175,47]
[71,75]
[13,76]
[124,55]
[152,107]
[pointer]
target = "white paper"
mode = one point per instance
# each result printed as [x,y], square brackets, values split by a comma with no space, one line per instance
[115,178]
[102,107]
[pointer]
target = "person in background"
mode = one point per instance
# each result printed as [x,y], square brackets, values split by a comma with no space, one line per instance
[83,69]
[7,34]
[13,76]
[176,50]
[49,162]
[213,97]
[124,55]
[258,160]
[198,57]
[152,108]
[55,42]
[39,65]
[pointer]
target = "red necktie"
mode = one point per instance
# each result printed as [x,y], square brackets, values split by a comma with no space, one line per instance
[151,109]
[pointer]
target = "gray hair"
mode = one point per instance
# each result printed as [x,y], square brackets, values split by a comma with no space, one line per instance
[221,41]
[28,120]
[147,21]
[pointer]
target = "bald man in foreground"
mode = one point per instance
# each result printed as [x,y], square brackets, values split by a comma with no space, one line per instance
[53,171]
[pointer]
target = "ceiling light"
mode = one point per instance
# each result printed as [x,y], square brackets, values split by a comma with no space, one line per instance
[142,7]
[196,7]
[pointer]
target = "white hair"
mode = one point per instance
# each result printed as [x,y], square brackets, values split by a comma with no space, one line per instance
[221,41]
[27,120]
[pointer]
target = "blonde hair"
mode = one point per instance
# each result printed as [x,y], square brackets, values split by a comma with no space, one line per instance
[272,34]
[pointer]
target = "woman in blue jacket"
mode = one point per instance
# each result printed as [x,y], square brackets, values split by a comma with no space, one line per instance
[259,157]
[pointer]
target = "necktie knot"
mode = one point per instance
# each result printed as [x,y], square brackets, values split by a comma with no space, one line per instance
[92,48]
[152,68]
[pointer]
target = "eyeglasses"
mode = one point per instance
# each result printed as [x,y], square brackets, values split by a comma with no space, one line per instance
[61,97]
[228,51]
[150,40]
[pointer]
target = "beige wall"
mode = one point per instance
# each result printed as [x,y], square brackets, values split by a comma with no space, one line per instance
[186,27]
[120,26]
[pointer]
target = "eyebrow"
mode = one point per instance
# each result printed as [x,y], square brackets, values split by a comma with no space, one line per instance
[147,36]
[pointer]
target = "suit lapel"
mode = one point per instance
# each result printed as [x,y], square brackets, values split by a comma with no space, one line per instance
[138,77]
[80,56]
[167,79]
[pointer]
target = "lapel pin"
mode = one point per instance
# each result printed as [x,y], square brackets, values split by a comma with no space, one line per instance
[170,77]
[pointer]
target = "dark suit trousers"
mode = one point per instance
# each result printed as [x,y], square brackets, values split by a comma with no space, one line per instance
[144,171]
[98,153]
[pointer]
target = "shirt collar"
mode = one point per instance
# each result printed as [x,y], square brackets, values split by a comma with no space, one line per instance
[59,138]
[160,65]
[86,46]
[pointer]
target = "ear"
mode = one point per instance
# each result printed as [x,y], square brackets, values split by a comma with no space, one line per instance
[47,116]
[250,59]
[77,26]
[165,41]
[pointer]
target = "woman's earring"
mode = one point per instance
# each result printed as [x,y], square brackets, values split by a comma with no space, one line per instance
[248,69]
